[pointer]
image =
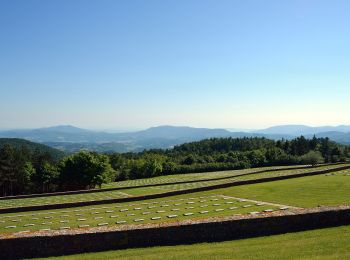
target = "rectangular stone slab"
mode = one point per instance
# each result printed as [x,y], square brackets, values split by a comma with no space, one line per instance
[82,226]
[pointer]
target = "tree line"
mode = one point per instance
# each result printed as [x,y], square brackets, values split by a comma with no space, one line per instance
[24,171]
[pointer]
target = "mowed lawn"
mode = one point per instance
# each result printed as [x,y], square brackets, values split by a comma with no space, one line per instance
[330,243]
[327,190]
[96,196]
[261,172]
[202,176]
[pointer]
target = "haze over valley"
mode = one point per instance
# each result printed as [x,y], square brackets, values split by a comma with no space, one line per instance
[72,139]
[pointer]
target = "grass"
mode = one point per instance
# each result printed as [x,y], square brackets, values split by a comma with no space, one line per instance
[129,213]
[61,199]
[186,177]
[329,190]
[330,243]
[149,190]
[202,176]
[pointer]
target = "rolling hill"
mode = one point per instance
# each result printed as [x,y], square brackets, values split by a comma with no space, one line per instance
[71,139]
[31,146]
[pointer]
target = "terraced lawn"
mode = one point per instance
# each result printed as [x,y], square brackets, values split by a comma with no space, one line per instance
[327,189]
[155,211]
[203,176]
[61,199]
[96,196]
[328,243]
[186,177]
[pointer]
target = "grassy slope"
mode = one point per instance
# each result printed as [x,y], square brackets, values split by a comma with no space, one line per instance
[199,176]
[303,192]
[219,174]
[316,244]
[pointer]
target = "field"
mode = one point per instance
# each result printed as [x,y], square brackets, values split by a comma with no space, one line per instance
[327,189]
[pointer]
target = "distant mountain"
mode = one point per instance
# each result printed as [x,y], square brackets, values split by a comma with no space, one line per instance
[69,129]
[180,132]
[297,130]
[59,134]
[31,146]
[71,139]
[339,137]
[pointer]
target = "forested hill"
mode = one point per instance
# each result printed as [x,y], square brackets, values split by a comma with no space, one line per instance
[216,154]
[215,145]
[18,143]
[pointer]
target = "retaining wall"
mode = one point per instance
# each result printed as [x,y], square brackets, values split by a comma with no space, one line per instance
[181,233]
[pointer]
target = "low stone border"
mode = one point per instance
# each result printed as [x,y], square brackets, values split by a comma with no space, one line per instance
[165,194]
[44,244]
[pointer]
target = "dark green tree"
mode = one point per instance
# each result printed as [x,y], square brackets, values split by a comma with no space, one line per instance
[85,170]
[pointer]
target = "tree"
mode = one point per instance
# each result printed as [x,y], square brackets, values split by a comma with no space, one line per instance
[153,167]
[45,177]
[85,170]
[256,158]
[7,169]
[312,158]
[189,160]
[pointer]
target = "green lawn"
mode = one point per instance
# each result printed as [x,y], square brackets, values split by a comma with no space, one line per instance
[330,243]
[61,199]
[205,176]
[330,190]
[188,177]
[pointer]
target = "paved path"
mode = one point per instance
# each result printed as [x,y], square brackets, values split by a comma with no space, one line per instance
[263,202]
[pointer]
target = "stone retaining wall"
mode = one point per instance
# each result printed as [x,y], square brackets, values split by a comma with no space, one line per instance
[173,234]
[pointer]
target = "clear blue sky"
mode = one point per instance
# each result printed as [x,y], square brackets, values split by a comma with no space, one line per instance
[136,64]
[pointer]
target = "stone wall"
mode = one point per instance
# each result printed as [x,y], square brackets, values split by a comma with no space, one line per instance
[181,233]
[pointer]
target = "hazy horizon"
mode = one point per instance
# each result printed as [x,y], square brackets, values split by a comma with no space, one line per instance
[125,129]
[133,65]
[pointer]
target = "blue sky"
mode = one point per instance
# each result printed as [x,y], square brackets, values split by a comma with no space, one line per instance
[135,64]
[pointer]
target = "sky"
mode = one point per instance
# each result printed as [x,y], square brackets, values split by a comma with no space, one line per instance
[136,64]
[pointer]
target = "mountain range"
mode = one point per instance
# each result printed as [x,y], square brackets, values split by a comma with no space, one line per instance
[71,139]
